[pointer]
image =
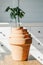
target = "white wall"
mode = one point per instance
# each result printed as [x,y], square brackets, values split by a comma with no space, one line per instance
[4,16]
[33,10]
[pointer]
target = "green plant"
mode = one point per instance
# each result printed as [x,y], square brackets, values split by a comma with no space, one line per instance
[15,12]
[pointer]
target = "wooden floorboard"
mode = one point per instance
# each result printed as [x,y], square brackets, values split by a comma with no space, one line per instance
[8,61]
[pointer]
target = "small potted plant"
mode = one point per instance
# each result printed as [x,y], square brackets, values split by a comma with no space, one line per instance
[20,39]
[16,13]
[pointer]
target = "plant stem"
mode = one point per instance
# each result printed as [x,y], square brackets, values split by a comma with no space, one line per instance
[18,16]
[18,22]
[15,23]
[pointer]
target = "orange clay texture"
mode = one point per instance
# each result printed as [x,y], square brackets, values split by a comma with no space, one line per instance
[20,36]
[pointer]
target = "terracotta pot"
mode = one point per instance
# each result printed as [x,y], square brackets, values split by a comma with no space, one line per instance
[20,42]
[20,52]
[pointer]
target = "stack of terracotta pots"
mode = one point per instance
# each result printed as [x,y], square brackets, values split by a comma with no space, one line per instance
[20,41]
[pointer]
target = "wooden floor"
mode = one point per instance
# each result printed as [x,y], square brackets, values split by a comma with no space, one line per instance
[8,61]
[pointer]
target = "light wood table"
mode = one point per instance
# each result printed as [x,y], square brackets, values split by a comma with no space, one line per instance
[8,61]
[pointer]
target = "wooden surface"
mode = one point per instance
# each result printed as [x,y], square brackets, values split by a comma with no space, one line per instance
[8,61]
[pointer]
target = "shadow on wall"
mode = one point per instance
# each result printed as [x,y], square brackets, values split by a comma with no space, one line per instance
[6,51]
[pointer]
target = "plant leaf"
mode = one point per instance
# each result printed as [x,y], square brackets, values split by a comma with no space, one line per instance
[12,15]
[7,8]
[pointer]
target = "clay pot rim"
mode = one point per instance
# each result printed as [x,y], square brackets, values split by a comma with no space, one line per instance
[18,28]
